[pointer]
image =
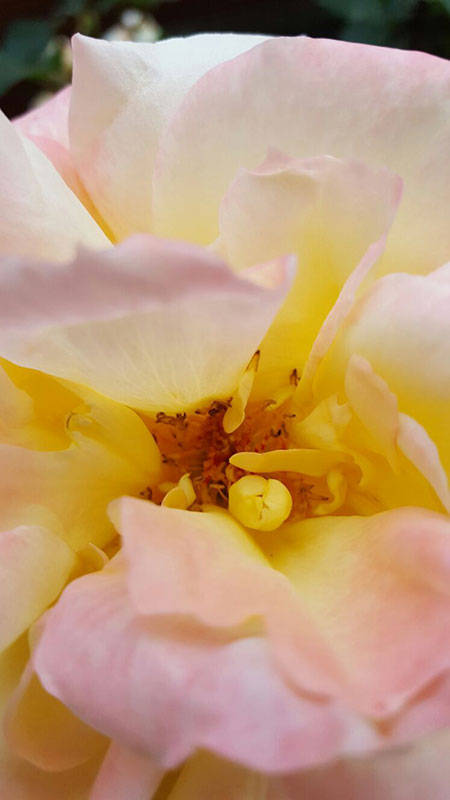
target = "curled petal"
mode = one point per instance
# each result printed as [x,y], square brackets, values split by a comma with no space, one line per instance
[392,111]
[167,686]
[328,212]
[377,589]
[48,127]
[401,326]
[124,95]
[108,451]
[40,215]
[156,325]
[35,564]
[414,773]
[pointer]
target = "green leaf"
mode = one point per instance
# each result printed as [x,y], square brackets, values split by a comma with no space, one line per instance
[70,8]
[26,39]
[400,10]
[11,72]
[355,11]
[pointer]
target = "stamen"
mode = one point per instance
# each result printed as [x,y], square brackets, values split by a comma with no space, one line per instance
[207,455]
[337,484]
[302,460]
[235,414]
[180,496]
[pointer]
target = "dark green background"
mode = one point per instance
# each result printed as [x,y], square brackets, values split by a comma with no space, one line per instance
[28,64]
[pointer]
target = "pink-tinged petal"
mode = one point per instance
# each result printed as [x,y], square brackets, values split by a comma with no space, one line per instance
[154,324]
[49,121]
[391,111]
[40,216]
[206,565]
[42,731]
[328,212]
[377,589]
[401,325]
[122,99]
[168,686]
[35,565]
[419,772]
[441,274]
[329,207]
[48,127]
[126,774]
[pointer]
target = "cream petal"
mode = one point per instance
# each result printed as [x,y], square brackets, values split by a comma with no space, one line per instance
[328,212]
[122,99]
[401,326]
[48,127]
[40,216]
[392,110]
[154,324]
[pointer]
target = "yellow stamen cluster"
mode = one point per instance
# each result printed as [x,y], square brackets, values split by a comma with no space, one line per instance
[205,464]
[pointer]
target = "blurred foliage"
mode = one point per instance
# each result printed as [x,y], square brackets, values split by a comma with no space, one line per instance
[35,54]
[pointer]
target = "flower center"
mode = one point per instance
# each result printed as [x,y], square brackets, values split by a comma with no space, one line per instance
[196,453]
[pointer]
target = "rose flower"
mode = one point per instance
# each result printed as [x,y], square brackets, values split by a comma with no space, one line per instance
[225,427]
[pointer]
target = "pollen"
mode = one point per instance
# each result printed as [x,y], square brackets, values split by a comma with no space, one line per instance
[204,462]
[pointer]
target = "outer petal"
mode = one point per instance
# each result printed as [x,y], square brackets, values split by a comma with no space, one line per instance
[325,210]
[40,217]
[48,127]
[306,98]
[206,565]
[402,327]
[35,565]
[168,686]
[123,97]
[154,324]
[48,122]
[397,559]
[420,772]
[377,589]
